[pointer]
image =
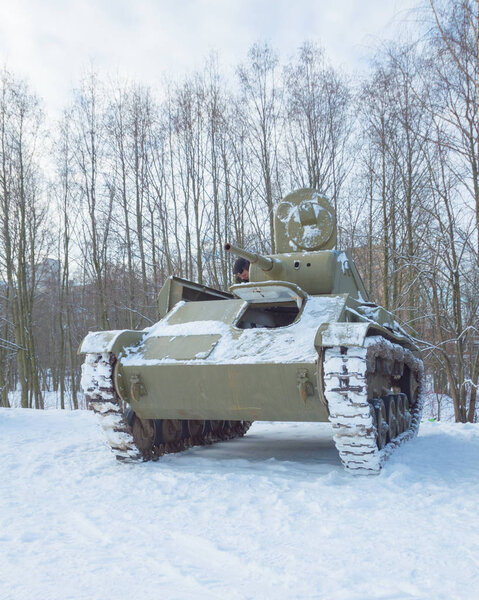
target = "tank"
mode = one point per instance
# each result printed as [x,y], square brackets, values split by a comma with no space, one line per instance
[301,341]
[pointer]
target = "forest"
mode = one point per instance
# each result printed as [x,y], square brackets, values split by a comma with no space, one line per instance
[133,184]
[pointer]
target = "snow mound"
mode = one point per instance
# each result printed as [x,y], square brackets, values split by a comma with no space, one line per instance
[271,515]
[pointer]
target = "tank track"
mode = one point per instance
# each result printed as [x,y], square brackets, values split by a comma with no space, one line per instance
[347,373]
[102,398]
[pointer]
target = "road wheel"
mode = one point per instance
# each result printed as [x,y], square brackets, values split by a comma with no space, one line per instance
[392,419]
[195,428]
[217,427]
[144,433]
[171,433]
[400,410]
[380,421]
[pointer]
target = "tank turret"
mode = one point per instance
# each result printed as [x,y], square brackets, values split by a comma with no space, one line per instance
[305,237]
[304,221]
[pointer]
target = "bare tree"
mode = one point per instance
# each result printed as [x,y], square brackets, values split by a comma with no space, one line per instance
[68,219]
[444,273]
[319,123]
[261,104]
[88,138]
[454,60]
[21,223]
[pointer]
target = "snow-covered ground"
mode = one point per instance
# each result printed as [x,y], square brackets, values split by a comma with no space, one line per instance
[269,516]
[51,399]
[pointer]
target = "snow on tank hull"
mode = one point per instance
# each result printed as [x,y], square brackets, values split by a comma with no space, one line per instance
[191,366]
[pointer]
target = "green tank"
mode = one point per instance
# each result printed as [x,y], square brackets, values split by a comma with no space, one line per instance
[299,342]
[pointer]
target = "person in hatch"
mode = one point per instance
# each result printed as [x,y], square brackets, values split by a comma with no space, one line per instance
[241,270]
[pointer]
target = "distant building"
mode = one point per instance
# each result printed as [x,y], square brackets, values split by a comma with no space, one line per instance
[47,273]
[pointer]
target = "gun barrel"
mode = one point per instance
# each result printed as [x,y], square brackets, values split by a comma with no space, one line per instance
[264,262]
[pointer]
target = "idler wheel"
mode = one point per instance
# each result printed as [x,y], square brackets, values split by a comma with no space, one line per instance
[144,433]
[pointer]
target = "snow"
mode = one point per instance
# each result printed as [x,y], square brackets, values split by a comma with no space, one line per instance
[271,515]
[343,261]
[102,339]
[339,333]
[51,399]
[293,343]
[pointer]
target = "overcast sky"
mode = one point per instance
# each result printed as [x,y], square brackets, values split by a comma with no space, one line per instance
[51,42]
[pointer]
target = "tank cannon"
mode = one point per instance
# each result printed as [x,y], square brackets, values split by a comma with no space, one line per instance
[265,263]
[299,342]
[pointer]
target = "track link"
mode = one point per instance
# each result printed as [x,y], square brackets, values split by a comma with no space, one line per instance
[347,373]
[102,398]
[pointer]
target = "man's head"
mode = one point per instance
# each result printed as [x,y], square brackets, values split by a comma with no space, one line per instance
[241,270]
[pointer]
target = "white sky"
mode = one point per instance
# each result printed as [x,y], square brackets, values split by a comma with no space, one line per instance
[52,42]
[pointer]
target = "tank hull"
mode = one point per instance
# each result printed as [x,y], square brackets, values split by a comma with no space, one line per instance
[267,392]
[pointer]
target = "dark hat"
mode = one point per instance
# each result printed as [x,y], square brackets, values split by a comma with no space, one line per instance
[240,265]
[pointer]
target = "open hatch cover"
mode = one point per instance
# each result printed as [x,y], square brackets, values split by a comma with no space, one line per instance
[269,291]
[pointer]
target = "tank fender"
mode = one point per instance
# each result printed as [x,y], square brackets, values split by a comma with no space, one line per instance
[354,334]
[341,334]
[98,342]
